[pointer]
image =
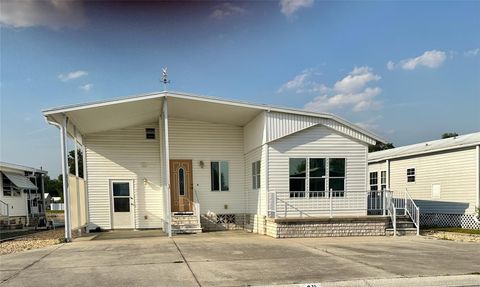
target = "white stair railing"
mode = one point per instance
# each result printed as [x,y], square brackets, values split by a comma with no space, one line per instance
[5,210]
[412,210]
[392,210]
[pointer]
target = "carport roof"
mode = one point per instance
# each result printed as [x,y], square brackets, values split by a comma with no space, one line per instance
[145,108]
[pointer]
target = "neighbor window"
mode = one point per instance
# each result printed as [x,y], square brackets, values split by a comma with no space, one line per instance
[374,180]
[411,175]
[312,175]
[383,180]
[256,175]
[9,189]
[219,176]
[150,133]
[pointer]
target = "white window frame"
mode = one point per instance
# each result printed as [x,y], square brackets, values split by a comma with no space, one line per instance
[335,193]
[383,180]
[370,178]
[220,176]
[256,171]
[414,175]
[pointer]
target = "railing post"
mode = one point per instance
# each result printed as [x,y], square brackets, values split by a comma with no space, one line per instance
[330,199]
[405,204]
[418,221]
[384,201]
[394,221]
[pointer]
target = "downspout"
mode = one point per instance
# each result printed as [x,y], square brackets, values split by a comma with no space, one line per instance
[63,144]
[85,184]
[478,179]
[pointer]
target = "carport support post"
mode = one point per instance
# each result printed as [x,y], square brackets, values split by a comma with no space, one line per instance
[66,196]
[167,166]
[77,187]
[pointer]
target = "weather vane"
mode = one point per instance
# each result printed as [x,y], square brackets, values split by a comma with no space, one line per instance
[164,78]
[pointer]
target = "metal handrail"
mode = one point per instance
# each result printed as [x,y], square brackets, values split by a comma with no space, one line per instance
[7,208]
[196,209]
[412,210]
[392,210]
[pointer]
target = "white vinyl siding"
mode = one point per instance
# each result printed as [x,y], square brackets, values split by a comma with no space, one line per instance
[318,142]
[283,124]
[125,154]
[19,203]
[254,133]
[202,141]
[454,171]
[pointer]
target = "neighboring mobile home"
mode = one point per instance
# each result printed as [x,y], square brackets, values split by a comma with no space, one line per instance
[169,160]
[21,195]
[442,177]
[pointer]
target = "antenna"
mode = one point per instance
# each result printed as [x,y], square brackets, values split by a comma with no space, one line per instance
[164,79]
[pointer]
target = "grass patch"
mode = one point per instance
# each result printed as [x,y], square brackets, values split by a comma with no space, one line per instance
[55,211]
[453,229]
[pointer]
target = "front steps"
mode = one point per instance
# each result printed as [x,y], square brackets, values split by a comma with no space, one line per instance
[405,226]
[185,223]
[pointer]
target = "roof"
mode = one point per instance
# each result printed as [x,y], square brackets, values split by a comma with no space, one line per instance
[21,167]
[20,181]
[427,147]
[239,113]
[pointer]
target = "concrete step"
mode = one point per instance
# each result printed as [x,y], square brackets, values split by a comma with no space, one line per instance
[186,230]
[403,224]
[401,231]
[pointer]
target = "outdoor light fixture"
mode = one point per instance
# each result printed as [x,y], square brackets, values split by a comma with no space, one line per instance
[202,164]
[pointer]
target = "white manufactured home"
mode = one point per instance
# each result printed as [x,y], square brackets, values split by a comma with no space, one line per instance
[186,163]
[21,195]
[441,176]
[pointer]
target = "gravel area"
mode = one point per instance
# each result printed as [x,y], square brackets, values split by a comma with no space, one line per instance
[33,241]
[454,236]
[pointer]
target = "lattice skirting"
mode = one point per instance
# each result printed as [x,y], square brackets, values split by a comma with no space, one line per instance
[215,222]
[450,220]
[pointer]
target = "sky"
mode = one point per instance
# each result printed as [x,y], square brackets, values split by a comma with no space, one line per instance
[407,71]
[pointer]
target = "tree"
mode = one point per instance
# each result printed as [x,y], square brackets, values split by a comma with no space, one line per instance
[54,187]
[71,162]
[380,146]
[449,135]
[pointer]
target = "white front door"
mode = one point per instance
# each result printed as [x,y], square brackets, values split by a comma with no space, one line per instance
[122,204]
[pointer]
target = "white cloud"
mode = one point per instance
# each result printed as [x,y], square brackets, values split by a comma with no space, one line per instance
[289,7]
[226,9]
[86,87]
[72,75]
[303,83]
[54,14]
[371,123]
[472,53]
[351,92]
[430,59]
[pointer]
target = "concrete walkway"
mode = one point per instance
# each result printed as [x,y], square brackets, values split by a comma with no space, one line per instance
[239,258]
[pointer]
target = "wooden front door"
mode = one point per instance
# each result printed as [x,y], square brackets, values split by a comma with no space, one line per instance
[181,185]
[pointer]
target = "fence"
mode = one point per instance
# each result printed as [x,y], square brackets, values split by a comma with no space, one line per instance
[57,206]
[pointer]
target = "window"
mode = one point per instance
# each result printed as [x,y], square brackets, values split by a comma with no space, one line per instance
[219,175]
[383,180]
[9,189]
[411,175]
[121,196]
[315,177]
[317,174]
[150,133]
[181,182]
[374,180]
[298,177]
[256,175]
[336,182]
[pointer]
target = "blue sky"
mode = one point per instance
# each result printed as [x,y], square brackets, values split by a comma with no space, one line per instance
[408,71]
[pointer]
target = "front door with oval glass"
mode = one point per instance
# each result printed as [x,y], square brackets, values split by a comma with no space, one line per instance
[181,185]
[122,204]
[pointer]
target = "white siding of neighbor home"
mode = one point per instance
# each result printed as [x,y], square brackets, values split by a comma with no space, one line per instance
[454,171]
[283,124]
[321,142]
[202,141]
[254,133]
[124,154]
[17,204]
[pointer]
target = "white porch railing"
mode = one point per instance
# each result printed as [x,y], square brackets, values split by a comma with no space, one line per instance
[341,203]
[4,210]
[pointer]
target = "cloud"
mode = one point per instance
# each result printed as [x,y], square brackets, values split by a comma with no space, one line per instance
[350,92]
[472,53]
[72,75]
[371,123]
[289,7]
[225,10]
[86,87]
[303,83]
[54,14]
[430,59]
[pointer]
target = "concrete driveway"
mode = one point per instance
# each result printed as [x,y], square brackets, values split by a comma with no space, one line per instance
[142,258]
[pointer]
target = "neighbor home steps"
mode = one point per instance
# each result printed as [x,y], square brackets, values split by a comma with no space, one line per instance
[405,226]
[185,223]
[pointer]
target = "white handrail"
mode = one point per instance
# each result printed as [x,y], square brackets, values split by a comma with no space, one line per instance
[392,211]
[412,210]
[7,209]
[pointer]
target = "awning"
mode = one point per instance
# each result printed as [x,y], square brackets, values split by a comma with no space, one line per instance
[20,181]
